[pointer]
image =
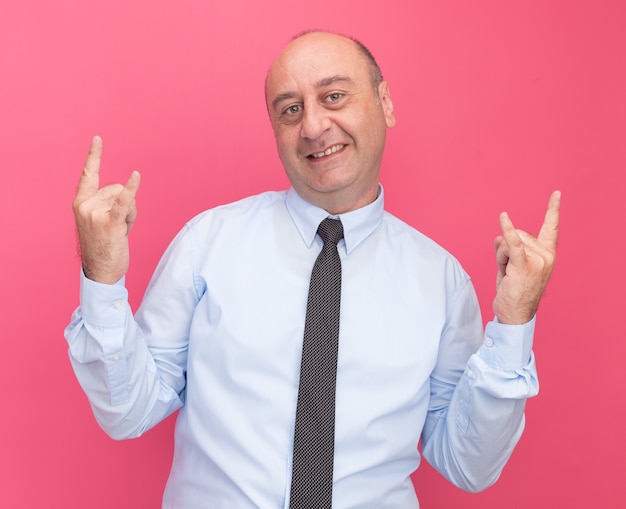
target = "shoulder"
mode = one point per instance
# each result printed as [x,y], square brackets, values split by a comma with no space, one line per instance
[246,207]
[410,243]
[239,216]
[403,233]
[239,223]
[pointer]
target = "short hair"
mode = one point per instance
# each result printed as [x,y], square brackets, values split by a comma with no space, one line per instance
[376,75]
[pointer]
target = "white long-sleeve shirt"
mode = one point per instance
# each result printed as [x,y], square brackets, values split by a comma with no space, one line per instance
[219,336]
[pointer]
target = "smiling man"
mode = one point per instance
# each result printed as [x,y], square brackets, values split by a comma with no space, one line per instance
[330,112]
[227,326]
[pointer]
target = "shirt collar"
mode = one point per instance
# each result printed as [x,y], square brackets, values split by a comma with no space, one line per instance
[357,224]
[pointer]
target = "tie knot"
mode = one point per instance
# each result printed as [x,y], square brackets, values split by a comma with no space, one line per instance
[330,230]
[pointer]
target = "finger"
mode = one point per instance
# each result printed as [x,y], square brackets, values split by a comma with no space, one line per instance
[122,209]
[509,232]
[90,179]
[549,233]
[132,216]
[502,257]
[132,213]
[533,244]
[514,244]
[501,250]
[497,242]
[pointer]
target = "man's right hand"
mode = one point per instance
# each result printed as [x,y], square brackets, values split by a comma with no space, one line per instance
[104,217]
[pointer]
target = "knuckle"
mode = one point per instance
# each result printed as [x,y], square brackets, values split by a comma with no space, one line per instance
[80,207]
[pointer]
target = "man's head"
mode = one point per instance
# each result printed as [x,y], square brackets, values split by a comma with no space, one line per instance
[330,109]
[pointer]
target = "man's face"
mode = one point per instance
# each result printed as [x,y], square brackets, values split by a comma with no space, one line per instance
[329,123]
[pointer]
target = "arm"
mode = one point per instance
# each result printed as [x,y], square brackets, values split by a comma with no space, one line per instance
[476,414]
[130,386]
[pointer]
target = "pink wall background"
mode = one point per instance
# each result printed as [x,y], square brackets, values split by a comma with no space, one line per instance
[497,102]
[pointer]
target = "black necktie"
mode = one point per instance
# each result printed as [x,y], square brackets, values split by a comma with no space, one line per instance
[314,440]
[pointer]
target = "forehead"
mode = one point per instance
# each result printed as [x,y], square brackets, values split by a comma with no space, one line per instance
[313,58]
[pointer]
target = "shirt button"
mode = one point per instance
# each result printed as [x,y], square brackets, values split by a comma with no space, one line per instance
[489,342]
[116,357]
[118,304]
[470,373]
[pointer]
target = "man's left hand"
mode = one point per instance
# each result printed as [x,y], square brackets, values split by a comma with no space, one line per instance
[525,264]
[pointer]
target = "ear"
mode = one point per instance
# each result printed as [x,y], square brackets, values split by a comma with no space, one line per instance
[385,101]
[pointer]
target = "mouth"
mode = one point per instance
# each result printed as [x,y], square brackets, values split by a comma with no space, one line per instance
[327,152]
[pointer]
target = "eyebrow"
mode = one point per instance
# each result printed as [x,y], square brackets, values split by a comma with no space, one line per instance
[321,83]
[333,79]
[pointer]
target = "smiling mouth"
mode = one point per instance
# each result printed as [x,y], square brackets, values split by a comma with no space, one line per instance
[327,152]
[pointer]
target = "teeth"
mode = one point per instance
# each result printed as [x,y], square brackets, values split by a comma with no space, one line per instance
[328,151]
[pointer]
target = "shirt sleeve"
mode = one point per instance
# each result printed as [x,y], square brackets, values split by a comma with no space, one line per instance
[476,413]
[132,371]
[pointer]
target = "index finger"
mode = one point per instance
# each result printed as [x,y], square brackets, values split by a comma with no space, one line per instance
[90,179]
[511,236]
[549,233]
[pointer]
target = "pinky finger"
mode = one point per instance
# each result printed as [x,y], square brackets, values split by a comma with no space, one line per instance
[121,208]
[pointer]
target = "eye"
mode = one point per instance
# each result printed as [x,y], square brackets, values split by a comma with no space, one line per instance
[334,97]
[294,109]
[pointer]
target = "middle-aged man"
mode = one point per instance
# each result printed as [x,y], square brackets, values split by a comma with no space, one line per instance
[219,333]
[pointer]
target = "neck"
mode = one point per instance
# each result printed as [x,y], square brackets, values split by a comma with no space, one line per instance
[340,203]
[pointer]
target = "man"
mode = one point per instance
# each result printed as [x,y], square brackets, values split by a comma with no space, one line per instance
[219,334]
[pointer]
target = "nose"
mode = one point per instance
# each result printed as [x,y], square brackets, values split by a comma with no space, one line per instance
[315,121]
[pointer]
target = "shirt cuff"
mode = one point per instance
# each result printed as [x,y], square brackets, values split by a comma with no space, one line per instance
[507,347]
[103,305]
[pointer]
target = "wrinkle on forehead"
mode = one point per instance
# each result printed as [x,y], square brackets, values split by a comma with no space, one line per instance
[312,55]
